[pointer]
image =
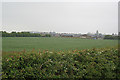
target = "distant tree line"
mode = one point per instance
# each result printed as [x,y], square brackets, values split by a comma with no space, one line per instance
[111,37]
[23,34]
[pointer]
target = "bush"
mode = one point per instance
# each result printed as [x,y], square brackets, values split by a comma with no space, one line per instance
[111,37]
[90,63]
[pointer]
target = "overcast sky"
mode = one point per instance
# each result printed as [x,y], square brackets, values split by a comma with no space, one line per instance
[77,17]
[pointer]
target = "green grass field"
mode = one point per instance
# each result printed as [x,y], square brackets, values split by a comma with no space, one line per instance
[52,43]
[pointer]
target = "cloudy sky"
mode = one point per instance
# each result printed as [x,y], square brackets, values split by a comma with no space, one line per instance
[77,17]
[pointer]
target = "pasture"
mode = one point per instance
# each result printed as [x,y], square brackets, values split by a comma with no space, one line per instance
[52,43]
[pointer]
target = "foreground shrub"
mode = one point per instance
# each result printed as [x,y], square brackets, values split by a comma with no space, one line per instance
[93,63]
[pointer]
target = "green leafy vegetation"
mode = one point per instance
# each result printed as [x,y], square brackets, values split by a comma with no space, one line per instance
[23,34]
[112,37]
[88,63]
[49,57]
[0,66]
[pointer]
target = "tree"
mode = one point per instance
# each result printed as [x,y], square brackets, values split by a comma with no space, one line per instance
[110,37]
[21,34]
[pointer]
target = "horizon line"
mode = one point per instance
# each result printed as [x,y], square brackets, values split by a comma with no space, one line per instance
[59,32]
